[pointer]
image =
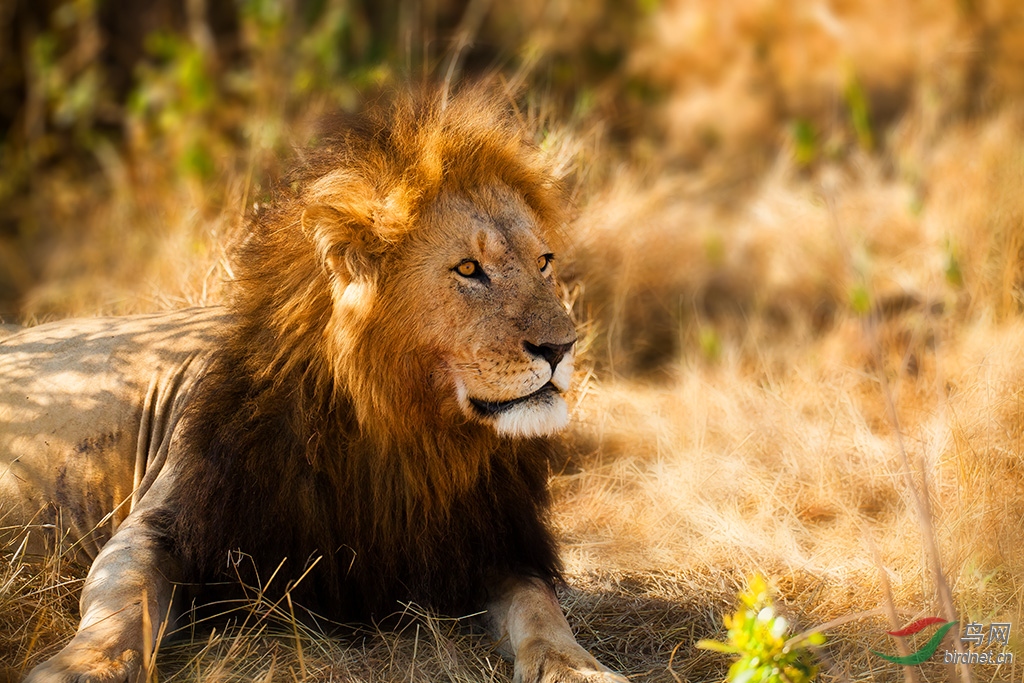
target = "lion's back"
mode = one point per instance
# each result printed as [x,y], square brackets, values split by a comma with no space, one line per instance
[78,400]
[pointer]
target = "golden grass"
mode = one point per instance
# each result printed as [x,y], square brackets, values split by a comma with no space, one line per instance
[751,317]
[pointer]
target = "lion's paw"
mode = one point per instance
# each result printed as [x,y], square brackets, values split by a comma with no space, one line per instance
[86,664]
[543,662]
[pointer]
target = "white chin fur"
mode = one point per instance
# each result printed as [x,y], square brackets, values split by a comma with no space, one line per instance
[534,418]
[562,376]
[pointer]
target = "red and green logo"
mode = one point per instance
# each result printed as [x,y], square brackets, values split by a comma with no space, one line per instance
[928,649]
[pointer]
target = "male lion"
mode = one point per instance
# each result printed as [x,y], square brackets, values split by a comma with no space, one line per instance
[374,400]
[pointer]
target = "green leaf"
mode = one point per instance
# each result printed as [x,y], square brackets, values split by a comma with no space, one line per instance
[805,142]
[717,646]
[710,344]
[860,299]
[857,105]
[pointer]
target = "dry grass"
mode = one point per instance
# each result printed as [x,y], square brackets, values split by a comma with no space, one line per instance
[751,310]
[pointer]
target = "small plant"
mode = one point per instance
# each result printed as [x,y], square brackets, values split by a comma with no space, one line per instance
[859,110]
[805,142]
[760,636]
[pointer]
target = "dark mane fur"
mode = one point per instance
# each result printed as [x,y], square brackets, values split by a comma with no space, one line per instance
[299,446]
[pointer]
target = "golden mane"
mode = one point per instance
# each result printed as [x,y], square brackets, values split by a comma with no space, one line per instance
[320,402]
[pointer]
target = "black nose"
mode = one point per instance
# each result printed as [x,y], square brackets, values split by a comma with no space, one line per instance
[552,353]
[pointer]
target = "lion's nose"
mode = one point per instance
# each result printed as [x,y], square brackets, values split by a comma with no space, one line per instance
[552,353]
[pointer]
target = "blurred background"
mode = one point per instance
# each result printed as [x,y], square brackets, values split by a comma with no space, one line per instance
[135,137]
[798,264]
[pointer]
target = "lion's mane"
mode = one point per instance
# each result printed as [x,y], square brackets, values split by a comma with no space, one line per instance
[314,436]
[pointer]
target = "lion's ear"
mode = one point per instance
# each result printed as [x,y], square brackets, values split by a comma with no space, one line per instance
[339,240]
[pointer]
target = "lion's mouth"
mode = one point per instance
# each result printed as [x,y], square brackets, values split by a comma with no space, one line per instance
[492,408]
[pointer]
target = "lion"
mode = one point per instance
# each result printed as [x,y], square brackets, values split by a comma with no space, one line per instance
[369,415]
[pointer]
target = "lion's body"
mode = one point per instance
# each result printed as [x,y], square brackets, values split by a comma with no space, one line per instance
[87,409]
[372,405]
[86,406]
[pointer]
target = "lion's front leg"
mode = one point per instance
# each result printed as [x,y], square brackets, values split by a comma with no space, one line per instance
[131,574]
[525,619]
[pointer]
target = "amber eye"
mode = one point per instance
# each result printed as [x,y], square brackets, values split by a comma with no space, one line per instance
[544,261]
[468,269]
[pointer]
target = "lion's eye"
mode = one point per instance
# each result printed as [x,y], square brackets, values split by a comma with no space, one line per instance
[544,261]
[469,269]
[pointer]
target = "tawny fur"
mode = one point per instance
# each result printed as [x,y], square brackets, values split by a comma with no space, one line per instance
[323,427]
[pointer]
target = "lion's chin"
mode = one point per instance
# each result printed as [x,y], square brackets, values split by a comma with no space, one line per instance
[541,413]
[534,420]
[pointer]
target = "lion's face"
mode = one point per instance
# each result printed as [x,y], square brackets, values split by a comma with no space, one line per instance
[478,281]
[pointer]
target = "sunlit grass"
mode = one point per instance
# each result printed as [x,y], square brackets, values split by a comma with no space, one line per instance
[804,263]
